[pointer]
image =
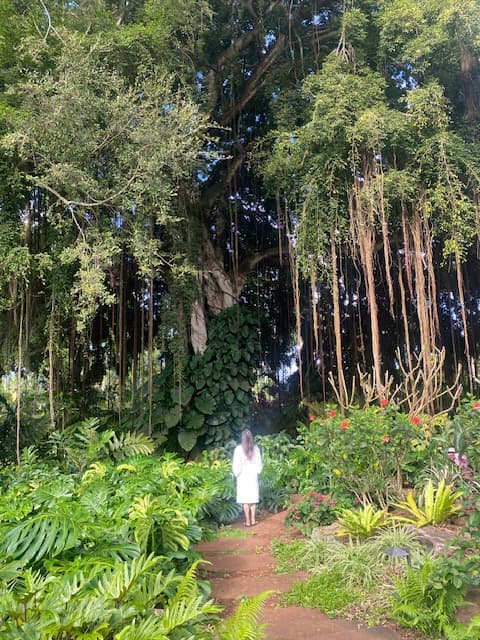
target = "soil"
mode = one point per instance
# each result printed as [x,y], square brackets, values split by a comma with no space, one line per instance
[244,567]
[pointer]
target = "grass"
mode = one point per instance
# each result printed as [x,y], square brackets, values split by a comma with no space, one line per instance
[228,531]
[287,555]
[325,591]
[351,579]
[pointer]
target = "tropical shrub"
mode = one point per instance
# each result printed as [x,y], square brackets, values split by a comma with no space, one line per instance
[434,506]
[463,432]
[313,510]
[278,470]
[366,454]
[361,523]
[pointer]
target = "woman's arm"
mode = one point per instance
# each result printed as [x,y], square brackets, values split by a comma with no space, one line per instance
[237,462]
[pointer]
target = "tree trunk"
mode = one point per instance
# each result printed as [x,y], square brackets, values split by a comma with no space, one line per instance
[337,320]
[150,357]
[51,361]
[363,225]
[19,378]
[463,310]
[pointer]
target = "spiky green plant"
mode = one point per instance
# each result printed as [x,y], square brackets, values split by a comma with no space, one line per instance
[435,505]
[361,523]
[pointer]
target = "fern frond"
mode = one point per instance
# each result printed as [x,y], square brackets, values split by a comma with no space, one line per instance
[115,585]
[187,611]
[129,444]
[243,624]
[148,629]
[188,585]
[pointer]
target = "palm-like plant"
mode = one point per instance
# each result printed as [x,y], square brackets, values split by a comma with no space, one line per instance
[435,505]
[361,523]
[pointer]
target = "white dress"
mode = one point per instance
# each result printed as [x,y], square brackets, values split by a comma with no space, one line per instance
[246,471]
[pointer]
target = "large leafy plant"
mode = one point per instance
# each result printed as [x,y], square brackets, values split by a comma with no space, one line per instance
[208,399]
[105,551]
[427,599]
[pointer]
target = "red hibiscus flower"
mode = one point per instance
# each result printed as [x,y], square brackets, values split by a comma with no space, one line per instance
[332,413]
[415,420]
[476,406]
[311,417]
[344,424]
[384,402]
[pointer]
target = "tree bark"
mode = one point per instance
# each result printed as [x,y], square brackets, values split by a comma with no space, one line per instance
[337,320]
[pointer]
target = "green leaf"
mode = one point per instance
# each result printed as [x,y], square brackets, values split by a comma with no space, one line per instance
[44,534]
[242,396]
[187,439]
[229,397]
[172,418]
[199,382]
[217,419]
[194,420]
[205,403]
[184,394]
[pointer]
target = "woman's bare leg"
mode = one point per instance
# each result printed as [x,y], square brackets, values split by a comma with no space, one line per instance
[253,510]
[246,511]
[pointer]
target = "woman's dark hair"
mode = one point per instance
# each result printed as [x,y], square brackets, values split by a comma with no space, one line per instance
[247,442]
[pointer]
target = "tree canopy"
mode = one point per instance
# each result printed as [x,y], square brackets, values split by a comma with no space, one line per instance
[163,164]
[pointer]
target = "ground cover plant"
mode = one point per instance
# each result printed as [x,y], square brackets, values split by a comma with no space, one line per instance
[354,580]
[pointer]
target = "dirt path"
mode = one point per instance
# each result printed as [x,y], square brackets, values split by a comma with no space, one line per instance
[244,567]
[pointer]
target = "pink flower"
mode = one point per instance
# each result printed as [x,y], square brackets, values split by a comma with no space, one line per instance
[476,406]
[386,439]
[384,402]
[344,424]
[331,413]
[415,420]
[311,418]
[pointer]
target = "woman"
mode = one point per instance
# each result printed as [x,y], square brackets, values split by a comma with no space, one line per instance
[247,464]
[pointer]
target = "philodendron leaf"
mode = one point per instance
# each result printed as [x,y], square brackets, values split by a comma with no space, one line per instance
[183,394]
[198,380]
[194,420]
[205,403]
[228,397]
[187,439]
[172,418]
[217,419]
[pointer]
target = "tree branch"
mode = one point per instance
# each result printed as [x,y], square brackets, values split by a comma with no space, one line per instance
[212,193]
[255,81]
[248,264]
